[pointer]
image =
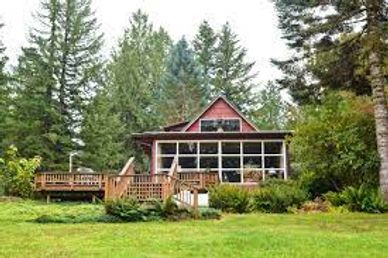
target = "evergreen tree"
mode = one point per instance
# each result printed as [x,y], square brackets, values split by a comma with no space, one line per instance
[134,78]
[309,26]
[234,75]
[270,112]
[184,93]
[55,78]
[102,134]
[4,95]
[205,51]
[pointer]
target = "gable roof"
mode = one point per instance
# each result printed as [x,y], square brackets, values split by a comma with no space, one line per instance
[225,100]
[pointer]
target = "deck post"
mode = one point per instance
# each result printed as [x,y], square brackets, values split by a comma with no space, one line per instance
[93,199]
[48,198]
[195,204]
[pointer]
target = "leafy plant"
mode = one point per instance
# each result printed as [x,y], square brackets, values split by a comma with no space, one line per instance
[333,146]
[229,198]
[363,198]
[209,213]
[16,174]
[279,197]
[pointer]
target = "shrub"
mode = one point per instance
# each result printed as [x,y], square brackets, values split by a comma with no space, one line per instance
[332,146]
[209,213]
[363,198]
[229,198]
[16,174]
[132,210]
[278,198]
[318,205]
[69,218]
[129,210]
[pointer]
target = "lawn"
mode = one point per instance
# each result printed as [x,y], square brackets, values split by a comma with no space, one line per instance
[252,235]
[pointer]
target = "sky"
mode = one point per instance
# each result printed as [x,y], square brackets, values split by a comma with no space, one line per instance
[254,21]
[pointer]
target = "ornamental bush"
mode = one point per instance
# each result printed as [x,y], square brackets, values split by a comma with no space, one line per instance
[17,174]
[334,144]
[363,198]
[229,198]
[278,197]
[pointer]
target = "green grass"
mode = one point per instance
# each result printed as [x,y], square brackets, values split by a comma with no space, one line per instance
[252,235]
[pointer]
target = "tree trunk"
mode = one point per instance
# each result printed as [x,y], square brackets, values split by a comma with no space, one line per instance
[376,78]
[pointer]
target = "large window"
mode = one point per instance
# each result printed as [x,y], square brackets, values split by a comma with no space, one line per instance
[220,125]
[234,161]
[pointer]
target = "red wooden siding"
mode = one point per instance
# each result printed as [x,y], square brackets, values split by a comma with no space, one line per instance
[219,110]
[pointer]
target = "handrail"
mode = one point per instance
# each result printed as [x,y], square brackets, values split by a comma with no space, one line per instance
[70,181]
[115,186]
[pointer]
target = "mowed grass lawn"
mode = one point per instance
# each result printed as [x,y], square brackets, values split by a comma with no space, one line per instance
[251,235]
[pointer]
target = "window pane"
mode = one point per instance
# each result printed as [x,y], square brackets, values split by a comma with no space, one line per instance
[252,147]
[208,147]
[253,162]
[252,175]
[231,148]
[209,125]
[273,162]
[167,148]
[188,162]
[208,162]
[226,125]
[231,125]
[165,162]
[274,174]
[232,176]
[273,147]
[231,162]
[187,148]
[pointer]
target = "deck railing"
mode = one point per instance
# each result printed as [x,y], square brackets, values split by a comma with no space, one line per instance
[69,181]
[200,179]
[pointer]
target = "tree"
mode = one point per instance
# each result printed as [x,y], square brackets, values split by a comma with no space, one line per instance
[205,51]
[134,77]
[102,134]
[55,77]
[306,22]
[17,174]
[184,92]
[233,78]
[270,112]
[332,146]
[4,95]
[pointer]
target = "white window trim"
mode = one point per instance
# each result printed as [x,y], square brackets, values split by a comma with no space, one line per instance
[220,155]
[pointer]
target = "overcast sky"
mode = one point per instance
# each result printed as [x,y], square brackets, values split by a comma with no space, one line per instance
[254,21]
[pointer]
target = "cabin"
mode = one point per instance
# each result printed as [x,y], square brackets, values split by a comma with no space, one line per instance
[219,146]
[220,141]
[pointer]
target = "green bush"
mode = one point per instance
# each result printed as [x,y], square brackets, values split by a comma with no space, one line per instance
[209,213]
[17,174]
[69,218]
[363,198]
[332,146]
[278,197]
[132,210]
[229,198]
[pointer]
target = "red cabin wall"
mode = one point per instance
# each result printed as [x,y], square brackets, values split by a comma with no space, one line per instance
[219,110]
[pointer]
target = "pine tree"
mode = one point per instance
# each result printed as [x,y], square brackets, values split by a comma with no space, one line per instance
[270,112]
[4,96]
[306,22]
[205,51]
[102,134]
[134,78]
[55,78]
[234,77]
[184,92]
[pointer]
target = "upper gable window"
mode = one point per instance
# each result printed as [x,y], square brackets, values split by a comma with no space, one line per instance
[221,125]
